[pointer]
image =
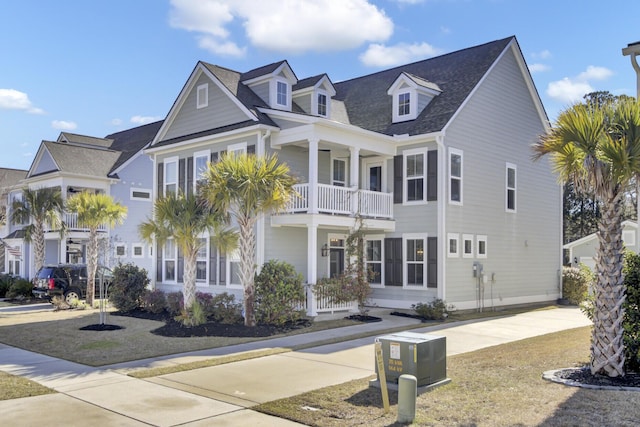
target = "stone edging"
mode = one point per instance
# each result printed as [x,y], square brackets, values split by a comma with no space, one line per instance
[553,377]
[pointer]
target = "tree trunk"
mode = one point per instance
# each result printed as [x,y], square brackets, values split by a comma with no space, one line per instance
[38,245]
[248,268]
[190,278]
[607,346]
[92,265]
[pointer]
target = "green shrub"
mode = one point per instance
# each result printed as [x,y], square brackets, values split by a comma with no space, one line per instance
[205,300]
[59,303]
[175,303]
[434,310]
[225,309]
[5,283]
[20,288]
[128,287]
[631,323]
[154,301]
[576,282]
[193,317]
[279,294]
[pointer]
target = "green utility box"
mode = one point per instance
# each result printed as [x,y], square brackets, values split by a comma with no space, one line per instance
[423,356]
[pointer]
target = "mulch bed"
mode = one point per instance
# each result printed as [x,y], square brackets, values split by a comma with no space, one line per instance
[583,376]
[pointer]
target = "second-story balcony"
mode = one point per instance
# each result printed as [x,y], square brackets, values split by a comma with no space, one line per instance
[72,224]
[332,199]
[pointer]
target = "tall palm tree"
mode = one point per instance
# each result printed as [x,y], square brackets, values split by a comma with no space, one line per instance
[185,218]
[597,146]
[95,210]
[39,207]
[247,186]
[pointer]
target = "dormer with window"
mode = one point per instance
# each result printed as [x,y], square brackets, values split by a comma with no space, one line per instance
[314,95]
[411,94]
[273,83]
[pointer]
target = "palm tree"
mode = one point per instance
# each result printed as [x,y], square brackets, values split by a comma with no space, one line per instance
[185,218]
[597,146]
[95,210]
[247,186]
[39,207]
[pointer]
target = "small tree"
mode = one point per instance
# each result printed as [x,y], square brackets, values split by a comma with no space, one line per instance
[128,287]
[279,293]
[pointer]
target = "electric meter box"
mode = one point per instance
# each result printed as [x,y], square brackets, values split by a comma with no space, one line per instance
[423,356]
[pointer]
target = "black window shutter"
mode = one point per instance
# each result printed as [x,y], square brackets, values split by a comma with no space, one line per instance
[181,175]
[189,174]
[214,157]
[159,266]
[393,261]
[180,265]
[160,179]
[213,252]
[432,175]
[397,179]
[223,269]
[251,149]
[432,262]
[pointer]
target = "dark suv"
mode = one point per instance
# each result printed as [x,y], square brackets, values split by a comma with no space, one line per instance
[69,281]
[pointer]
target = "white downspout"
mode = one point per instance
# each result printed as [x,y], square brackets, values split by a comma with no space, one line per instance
[260,223]
[442,253]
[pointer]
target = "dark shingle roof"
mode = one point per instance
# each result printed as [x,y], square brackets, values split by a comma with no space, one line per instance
[308,82]
[261,71]
[10,177]
[456,74]
[82,160]
[129,142]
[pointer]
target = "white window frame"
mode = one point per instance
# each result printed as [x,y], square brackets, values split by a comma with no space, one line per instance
[346,172]
[167,162]
[513,188]
[140,190]
[629,237]
[122,246]
[205,154]
[467,238]
[405,178]
[317,104]
[168,256]
[200,258]
[456,152]
[413,106]
[405,273]
[133,250]
[233,257]
[13,260]
[481,238]
[373,238]
[287,95]
[450,237]
[239,148]
[202,96]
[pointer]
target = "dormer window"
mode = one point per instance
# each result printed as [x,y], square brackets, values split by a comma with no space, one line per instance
[322,104]
[281,91]
[404,104]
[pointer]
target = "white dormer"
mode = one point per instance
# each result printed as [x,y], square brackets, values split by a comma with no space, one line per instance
[314,95]
[411,95]
[274,87]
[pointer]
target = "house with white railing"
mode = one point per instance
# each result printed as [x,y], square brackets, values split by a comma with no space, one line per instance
[74,163]
[434,158]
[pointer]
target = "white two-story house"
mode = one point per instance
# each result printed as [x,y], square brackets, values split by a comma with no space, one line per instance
[73,163]
[434,156]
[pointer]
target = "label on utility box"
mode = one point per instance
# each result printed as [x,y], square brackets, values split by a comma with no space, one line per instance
[394,350]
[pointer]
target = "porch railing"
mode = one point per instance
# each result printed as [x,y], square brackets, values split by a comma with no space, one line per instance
[71,220]
[343,200]
[317,303]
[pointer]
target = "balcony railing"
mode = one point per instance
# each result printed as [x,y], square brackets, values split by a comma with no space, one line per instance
[332,199]
[72,224]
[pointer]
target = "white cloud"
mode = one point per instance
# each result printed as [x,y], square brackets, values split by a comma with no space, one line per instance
[570,90]
[11,99]
[302,25]
[538,68]
[141,120]
[545,54]
[63,125]
[378,55]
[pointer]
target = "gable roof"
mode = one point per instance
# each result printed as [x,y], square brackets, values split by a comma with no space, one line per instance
[10,177]
[627,224]
[74,138]
[456,74]
[81,160]
[131,141]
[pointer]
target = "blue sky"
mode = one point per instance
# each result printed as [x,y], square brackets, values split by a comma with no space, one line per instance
[100,66]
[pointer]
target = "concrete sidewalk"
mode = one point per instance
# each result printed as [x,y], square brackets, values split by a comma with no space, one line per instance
[223,395]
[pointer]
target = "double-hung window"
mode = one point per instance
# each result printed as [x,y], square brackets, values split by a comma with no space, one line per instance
[415,176]
[170,176]
[511,188]
[415,251]
[322,104]
[373,249]
[201,261]
[455,176]
[281,94]
[169,261]
[339,173]
[404,104]
[200,161]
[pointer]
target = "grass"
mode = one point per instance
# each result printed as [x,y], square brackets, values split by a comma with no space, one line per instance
[496,386]
[14,387]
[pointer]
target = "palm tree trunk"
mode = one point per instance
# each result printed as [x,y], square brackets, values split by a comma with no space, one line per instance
[607,346]
[190,278]
[247,243]
[38,245]
[92,264]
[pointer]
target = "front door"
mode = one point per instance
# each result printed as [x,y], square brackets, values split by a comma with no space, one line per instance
[336,262]
[375,177]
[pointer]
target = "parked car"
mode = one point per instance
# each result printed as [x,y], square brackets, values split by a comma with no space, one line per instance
[68,281]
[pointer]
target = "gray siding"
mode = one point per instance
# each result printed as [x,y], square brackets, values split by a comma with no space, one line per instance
[221,111]
[498,125]
[45,164]
[287,244]
[262,90]
[304,102]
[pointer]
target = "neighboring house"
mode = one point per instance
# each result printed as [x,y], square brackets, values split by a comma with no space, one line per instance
[583,250]
[112,165]
[9,179]
[434,156]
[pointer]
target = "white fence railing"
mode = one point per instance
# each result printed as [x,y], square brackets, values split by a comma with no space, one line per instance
[71,220]
[342,200]
[317,303]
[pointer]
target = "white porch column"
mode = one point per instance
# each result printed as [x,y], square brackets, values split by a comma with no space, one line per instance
[313,176]
[312,267]
[354,175]
[62,256]
[260,223]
